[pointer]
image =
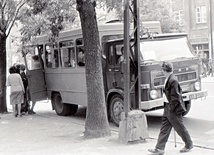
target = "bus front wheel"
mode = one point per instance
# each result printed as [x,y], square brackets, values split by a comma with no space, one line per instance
[115,108]
[61,108]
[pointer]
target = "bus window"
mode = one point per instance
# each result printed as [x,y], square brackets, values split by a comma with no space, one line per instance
[52,60]
[35,63]
[119,53]
[55,58]
[111,55]
[32,55]
[81,56]
[67,54]
[80,52]
[67,57]
[106,38]
[48,56]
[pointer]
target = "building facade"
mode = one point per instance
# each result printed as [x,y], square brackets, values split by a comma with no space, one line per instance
[196,17]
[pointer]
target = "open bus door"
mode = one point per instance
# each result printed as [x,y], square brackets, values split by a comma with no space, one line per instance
[34,67]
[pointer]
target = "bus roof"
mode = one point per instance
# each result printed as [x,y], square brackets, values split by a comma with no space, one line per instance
[116,27]
[163,35]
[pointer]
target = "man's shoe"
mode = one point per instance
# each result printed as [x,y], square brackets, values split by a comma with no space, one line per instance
[156,151]
[186,149]
[33,112]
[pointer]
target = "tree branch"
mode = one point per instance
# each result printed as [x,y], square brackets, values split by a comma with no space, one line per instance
[10,24]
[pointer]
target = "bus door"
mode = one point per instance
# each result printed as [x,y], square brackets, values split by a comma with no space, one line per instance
[33,57]
[115,59]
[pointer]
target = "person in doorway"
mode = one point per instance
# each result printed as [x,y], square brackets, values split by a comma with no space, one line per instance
[16,91]
[25,106]
[35,62]
[81,57]
[173,110]
[121,58]
[34,65]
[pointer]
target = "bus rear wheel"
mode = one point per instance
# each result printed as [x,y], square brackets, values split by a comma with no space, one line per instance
[61,108]
[116,107]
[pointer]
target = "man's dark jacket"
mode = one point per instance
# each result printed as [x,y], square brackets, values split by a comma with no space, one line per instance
[173,94]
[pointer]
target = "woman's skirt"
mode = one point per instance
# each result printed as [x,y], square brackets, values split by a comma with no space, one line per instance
[16,97]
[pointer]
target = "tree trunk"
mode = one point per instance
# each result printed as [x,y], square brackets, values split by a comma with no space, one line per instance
[3,62]
[96,119]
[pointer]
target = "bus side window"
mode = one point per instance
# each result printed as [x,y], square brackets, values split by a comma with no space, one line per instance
[55,59]
[111,55]
[80,52]
[48,56]
[119,54]
[80,56]
[52,57]
[67,57]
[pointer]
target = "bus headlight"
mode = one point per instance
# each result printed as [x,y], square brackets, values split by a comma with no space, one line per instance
[197,86]
[153,94]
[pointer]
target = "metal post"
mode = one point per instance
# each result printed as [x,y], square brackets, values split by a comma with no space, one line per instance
[126,58]
[211,37]
[137,58]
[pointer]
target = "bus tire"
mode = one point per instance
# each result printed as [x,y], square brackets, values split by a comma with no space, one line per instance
[115,108]
[61,108]
[188,106]
[73,109]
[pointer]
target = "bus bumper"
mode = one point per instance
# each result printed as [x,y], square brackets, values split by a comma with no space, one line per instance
[147,105]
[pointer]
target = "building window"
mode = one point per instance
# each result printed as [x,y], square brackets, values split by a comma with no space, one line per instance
[179,16]
[201,14]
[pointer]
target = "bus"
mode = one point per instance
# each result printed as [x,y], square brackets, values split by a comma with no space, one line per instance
[61,77]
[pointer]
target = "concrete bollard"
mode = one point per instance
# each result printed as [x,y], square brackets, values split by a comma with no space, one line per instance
[134,127]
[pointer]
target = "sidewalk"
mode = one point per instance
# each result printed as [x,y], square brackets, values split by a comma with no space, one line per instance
[208,79]
[48,134]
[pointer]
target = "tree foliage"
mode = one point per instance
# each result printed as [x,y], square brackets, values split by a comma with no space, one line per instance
[153,10]
[47,16]
[9,13]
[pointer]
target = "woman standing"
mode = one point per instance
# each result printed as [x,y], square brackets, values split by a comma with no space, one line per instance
[16,91]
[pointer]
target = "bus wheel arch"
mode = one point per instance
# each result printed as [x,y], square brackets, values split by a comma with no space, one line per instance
[115,108]
[60,108]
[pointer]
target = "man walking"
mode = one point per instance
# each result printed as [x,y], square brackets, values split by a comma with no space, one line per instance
[173,109]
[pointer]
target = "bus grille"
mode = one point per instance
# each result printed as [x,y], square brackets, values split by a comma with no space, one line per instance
[181,78]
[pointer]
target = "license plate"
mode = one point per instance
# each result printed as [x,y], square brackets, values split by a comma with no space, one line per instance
[195,96]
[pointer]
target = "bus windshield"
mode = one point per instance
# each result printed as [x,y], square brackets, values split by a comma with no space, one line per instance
[166,49]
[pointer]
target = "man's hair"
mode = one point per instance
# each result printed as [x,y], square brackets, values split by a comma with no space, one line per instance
[167,66]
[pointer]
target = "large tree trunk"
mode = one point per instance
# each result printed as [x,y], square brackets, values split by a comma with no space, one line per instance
[3,105]
[96,120]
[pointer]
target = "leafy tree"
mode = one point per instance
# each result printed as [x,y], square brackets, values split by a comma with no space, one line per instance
[153,10]
[150,10]
[47,16]
[9,13]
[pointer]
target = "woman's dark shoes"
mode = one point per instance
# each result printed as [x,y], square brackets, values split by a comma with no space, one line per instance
[186,149]
[31,112]
[15,115]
